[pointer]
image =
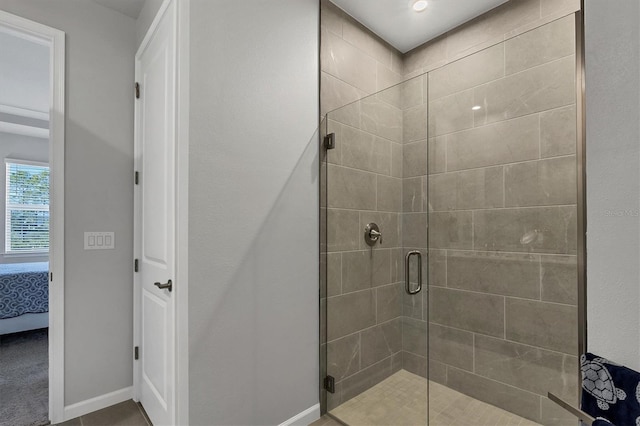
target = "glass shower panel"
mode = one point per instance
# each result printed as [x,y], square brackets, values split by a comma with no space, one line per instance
[376,333]
[503,225]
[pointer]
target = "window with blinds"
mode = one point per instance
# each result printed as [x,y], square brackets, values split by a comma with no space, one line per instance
[27,207]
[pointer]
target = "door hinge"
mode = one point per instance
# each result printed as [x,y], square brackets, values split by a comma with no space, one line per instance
[330,141]
[330,384]
[50,276]
[137,90]
[136,177]
[136,353]
[135,265]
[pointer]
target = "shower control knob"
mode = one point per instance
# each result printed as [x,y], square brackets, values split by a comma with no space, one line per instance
[372,234]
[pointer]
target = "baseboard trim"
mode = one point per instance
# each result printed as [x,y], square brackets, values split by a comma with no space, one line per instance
[305,418]
[98,403]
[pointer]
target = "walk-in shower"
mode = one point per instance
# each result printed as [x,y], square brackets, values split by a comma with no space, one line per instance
[450,228]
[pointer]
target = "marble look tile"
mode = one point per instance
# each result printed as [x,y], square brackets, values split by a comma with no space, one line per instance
[365,269]
[396,160]
[388,302]
[560,279]
[414,229]
[381,119]
[414,336]
[381,341]
[347,63]
[412,92]
[546,325]
[437,155]
[558,132]
[545,87]
[452,230]
[549,7]
[437,268]
[472,189]
[340,100]
[451,346]
[527,367]
[414,159]
[388,92]
[480,313]
[397,265]
[433,52]
[390,227]
[437,372]
[414,122]
[541,45]
[334,274]
[343,230]
[364,151]
[507,397]
[412,304]
[413,195]
[350,313]
[343,356]
[389,196]
[417,364]
[360,37]
[500,143]
[350,189]
[505,274]
[541,183]
[538,229]
[451,113]
[479,68]
[331,17]
[365,379]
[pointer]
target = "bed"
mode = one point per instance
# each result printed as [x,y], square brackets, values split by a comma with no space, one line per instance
[24,296]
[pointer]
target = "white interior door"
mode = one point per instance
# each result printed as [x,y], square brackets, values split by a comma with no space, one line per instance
[155,231]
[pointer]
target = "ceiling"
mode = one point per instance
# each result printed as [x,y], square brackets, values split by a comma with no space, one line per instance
[130,8]
[399,25]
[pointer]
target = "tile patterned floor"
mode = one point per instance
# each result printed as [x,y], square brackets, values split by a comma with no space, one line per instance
[401,400]
[126,413]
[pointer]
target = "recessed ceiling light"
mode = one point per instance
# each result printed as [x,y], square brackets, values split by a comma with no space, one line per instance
[476,108]
[419,5]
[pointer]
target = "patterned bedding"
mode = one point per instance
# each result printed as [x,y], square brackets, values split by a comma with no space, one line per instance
[24,289]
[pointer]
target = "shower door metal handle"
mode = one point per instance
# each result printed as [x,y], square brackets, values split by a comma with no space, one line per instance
[407,260]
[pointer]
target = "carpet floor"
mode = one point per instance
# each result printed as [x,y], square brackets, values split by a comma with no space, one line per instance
[24,379]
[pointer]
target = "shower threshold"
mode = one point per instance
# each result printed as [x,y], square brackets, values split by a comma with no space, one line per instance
[400,400]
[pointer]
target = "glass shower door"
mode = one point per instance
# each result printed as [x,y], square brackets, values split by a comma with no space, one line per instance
[374,339]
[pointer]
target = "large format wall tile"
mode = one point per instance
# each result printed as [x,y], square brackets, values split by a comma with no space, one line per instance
[548,7]
[413,92]
[366,378]
[414,229]
[390,227]
[350,313]
[414,336]
[381,342]
[500,143]
[365,269]
[558,132]
[414,123]
[526,367]
[381,119]
[451,346]
[507,397]
[453,230]
[437,155]
[388,302]
[537,89]
[350,189]
[417,364]
[343,356]
[414,159]
[334,274]
[541,183]
[544,44]
[535,229]
[425,56]
[472,189]
[482,67]
[364,40]
[346,62]
[364,151]
[342,230]
[451,113]
[559,278]
[335,94]
[506,274]
[481,313]
[547,325]
[389,196]
[413,195]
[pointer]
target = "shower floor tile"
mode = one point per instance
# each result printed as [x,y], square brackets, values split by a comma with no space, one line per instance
[401,400]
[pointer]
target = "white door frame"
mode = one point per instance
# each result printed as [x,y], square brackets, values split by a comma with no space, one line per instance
[55,39]
[181,295]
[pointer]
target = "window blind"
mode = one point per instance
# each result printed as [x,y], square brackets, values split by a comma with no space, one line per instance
[27,207]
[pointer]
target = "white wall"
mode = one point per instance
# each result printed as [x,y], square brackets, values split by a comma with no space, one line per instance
[613,179]
[145,19]
[253,211]
[21,148]
[98,189]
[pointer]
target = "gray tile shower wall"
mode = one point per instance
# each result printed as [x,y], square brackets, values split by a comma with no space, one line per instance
[495,186]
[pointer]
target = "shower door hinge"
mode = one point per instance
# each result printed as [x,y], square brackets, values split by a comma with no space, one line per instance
[51,276]
[136,353]
[135,265]
[137,90]
[330,141]
[136,177]
[330,384]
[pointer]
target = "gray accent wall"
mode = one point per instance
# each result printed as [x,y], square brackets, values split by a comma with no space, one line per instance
[253,211]
[100,48]
[613,179]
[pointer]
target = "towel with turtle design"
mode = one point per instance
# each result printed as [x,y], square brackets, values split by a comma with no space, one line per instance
[610,391]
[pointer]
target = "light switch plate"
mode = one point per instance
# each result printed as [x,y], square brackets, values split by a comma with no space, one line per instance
[99,240]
